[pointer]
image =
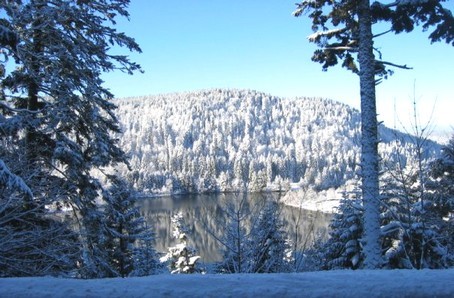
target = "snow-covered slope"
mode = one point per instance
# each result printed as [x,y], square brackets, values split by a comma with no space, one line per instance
[221,140]
[360,283]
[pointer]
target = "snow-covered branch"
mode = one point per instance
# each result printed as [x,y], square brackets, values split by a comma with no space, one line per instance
[342,48]
[16,110]
[328,33]
[9,180]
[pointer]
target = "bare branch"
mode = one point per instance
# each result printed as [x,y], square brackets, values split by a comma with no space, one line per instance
[392,64]
[383,33]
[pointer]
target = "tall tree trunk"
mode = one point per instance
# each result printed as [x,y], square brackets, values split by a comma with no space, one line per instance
[369,140]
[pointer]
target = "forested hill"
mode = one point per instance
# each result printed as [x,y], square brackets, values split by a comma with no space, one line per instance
[222,140]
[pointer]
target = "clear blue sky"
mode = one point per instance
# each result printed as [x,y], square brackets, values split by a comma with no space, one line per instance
[252,44]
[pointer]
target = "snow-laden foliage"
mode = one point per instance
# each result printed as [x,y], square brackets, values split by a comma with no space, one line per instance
[416,218]
[235,237]
[412,236]
[408,239]
[181,258]
[413,232]
[269,247]
[441,184]
[344,32]
[56,120]
[223,140]
[336,27]
[10,181]
[343,249]
[32,245]
[120,240]
[441,193]
[127,239]
[254,239]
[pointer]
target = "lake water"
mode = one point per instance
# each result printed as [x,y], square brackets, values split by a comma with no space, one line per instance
[205,217]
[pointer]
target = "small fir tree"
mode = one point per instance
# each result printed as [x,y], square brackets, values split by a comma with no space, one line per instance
[126,233]
[181,258]
[268,245]
[235,238]
[440,186]
[343,249]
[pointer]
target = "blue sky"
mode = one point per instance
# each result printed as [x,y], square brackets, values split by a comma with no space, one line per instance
[203,44]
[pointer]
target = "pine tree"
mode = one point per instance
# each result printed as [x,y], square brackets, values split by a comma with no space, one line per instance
[181,258]
[268,245]
[33,245]
[145,257]
[343,248]
[351,34]
[34,241]
[54,111]
[253,240]
[441,182]
[126,235]
[413,235]
[235,238]
[441,195]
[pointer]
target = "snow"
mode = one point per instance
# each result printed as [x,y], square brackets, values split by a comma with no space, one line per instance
[316,35]
[12,181]
[325,201]
[343,283]
[223,139]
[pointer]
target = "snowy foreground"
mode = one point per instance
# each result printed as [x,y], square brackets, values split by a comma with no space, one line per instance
[395,283]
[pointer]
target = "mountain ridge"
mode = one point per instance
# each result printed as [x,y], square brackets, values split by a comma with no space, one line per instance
[227,139]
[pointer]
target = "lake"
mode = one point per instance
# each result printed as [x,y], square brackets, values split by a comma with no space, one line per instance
[205,217]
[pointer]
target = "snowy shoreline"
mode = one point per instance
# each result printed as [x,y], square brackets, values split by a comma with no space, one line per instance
[325,201]
[340,283]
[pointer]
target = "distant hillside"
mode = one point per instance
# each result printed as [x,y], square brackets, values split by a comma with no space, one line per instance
[222,140]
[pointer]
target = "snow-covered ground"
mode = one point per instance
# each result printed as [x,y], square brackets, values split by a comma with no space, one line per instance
[324,201]
[380,283]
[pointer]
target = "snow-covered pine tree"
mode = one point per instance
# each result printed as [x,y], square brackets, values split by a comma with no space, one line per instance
[31,244]
[409,238]
[145,257]
[441,183]
[34,241]
[95,258]
[234,238]
[411,230]
[126,236]
[410,241]
[54,108]
[440,186]
[343,28]
[181,258]
[343,248]
[268,245]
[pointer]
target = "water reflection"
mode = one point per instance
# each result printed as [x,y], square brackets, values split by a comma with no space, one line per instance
[205,217]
